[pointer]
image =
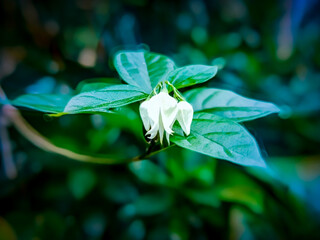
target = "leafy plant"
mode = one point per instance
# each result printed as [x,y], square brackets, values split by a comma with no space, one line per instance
[216,128]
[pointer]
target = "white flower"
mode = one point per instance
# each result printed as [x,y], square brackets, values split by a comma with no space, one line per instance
[161,111]
[158,115]
[184,116]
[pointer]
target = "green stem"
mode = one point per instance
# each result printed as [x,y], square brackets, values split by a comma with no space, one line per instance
[177,94]
[150,154]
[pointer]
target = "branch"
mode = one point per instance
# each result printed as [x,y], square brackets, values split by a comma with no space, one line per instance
[25,129]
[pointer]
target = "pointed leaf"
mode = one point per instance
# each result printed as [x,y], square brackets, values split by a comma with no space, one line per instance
[228,104]
[103,99]
[143,69]
[221,138]
[94,98]
[49,103]
[191,75]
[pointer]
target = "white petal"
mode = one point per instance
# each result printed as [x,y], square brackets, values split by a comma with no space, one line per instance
[161,129]
[144,106]
[154,110]
[184,116]
[168,138]
[153,131]
[168,111]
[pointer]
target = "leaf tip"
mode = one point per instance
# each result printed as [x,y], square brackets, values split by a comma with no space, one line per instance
[56,114]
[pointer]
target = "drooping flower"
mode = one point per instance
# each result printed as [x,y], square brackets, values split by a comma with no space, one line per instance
[184,116]
[161,111]
[158,115]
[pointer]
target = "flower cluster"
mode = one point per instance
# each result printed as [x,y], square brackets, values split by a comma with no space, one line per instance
[160,112]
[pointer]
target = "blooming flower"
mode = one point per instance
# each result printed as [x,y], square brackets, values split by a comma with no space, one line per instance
[161,111]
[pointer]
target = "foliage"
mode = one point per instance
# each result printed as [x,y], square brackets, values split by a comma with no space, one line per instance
[218,137]
[55,58]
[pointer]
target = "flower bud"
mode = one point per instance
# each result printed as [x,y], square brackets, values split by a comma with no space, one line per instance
[184,116]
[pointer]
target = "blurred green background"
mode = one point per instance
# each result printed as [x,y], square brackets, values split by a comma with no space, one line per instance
[270,51]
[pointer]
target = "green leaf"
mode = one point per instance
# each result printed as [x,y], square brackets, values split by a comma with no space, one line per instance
[96,83]
[143,69]
[149,172]
[191,75]
[101,100]
[152,203]
[94,98]
[203,196]
[81,182]
[88,87]
[234,186]
[49,103]
[228,104]
[221,138]
[120,189]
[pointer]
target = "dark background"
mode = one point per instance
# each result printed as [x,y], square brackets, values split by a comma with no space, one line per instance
[270,51]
